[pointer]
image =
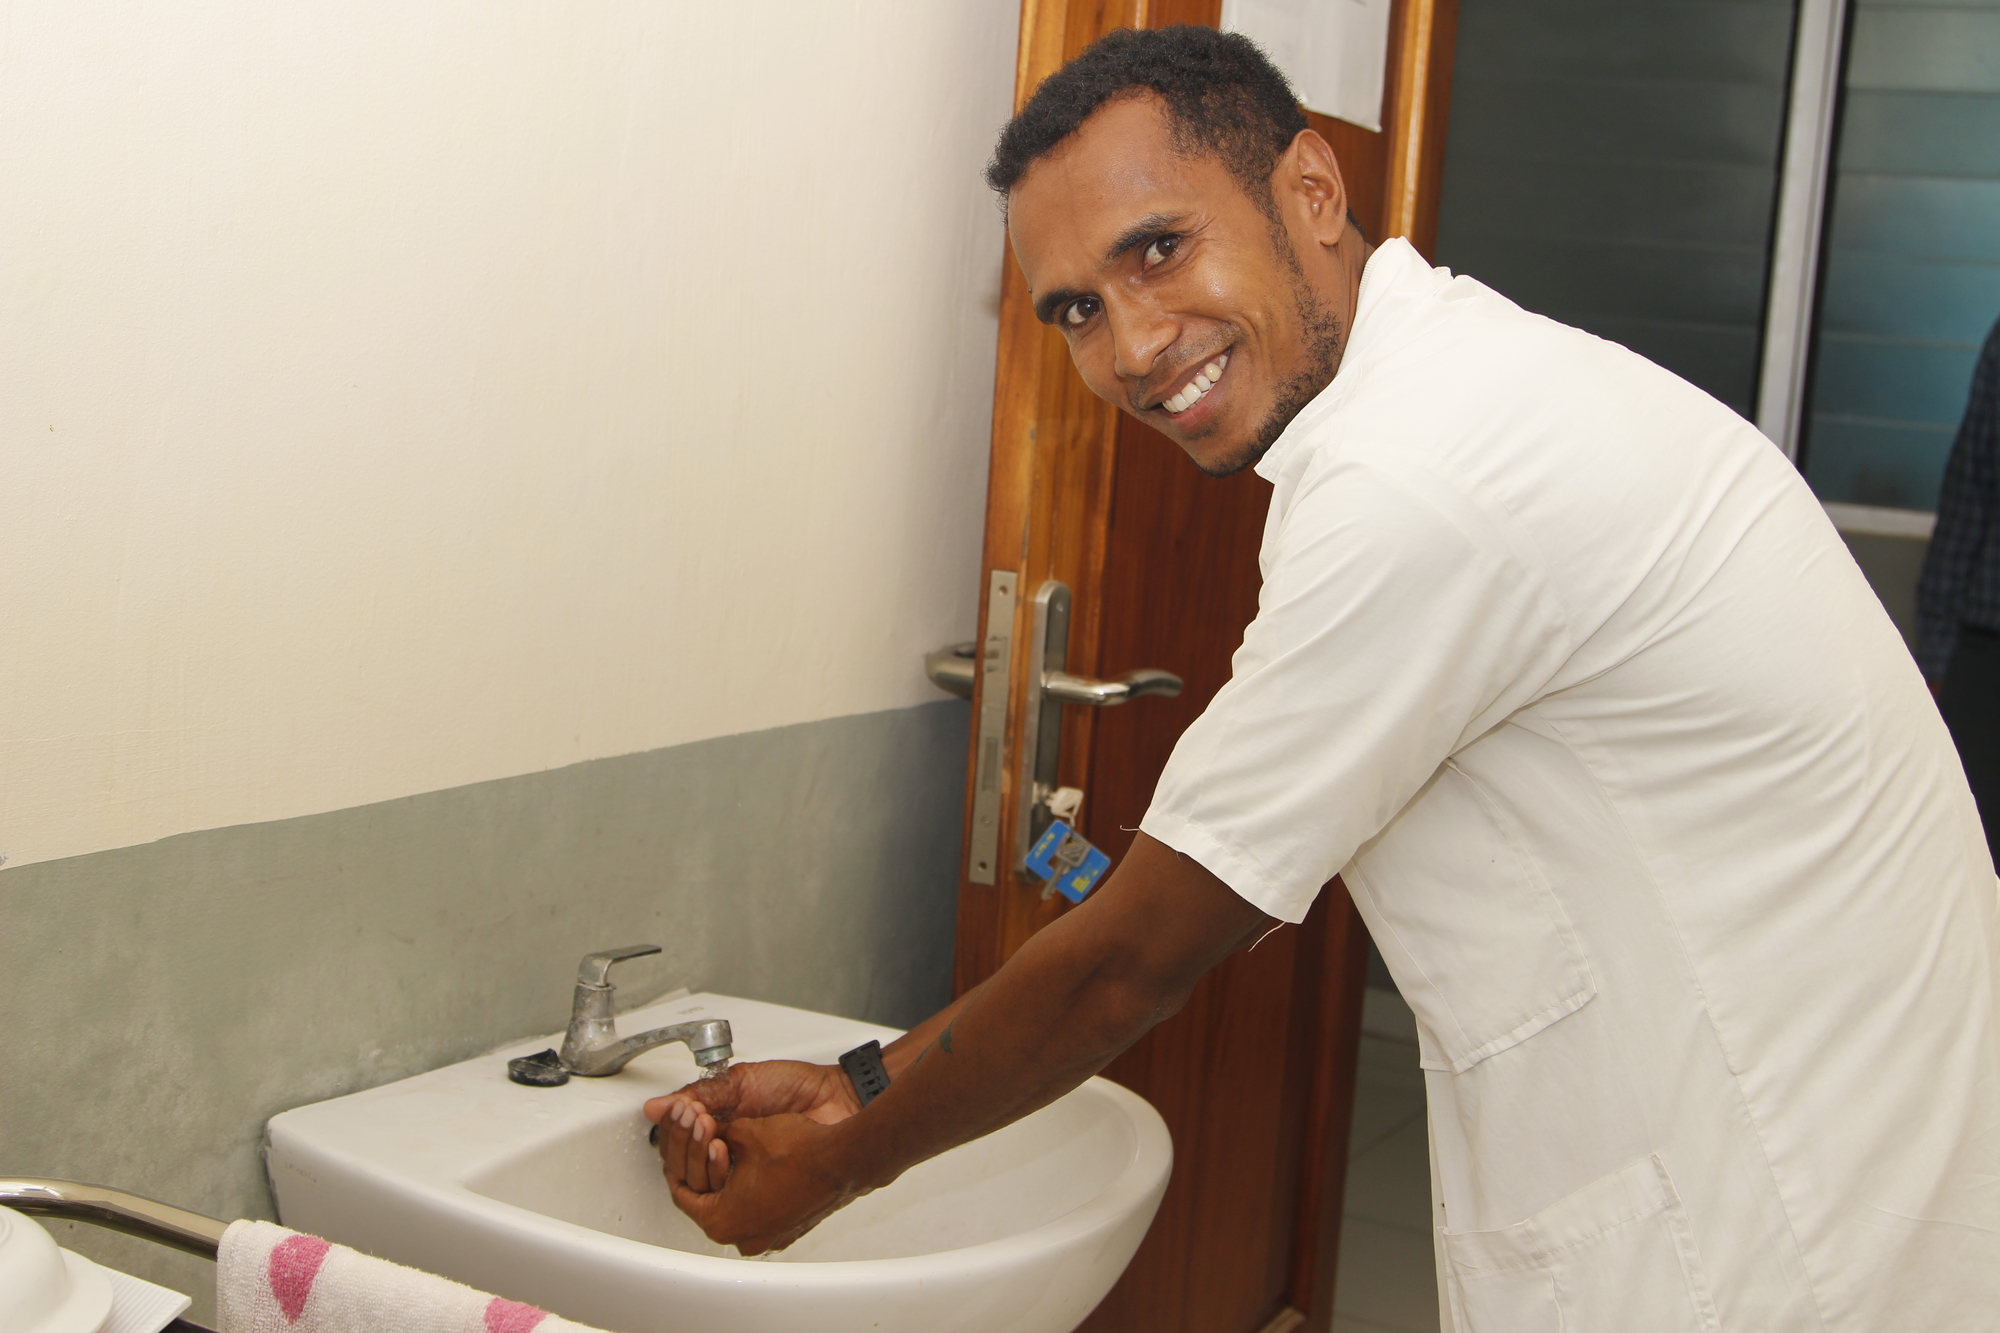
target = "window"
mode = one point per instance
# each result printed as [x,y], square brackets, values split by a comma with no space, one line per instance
[1615,166]
[1910,275]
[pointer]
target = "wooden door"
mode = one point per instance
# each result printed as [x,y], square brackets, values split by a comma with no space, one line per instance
[1255,1076]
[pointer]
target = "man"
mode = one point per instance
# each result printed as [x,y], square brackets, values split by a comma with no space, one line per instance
[1958,598]
[1559,663]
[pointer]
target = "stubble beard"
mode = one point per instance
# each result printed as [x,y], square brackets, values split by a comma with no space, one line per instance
[1322,334]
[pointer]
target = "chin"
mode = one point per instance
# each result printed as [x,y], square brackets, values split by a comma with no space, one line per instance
[1226,464]
[1223,458]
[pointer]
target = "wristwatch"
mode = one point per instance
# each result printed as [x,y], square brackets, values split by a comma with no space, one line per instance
[863,1067]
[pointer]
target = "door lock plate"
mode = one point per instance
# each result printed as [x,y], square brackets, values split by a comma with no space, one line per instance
[982,861]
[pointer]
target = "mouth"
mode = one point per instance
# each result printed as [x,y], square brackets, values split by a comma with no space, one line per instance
[1199,387]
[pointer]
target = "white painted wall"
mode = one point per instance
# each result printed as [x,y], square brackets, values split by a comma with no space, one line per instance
[404,393]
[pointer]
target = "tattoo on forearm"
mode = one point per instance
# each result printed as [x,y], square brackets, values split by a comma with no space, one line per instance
[944,1038]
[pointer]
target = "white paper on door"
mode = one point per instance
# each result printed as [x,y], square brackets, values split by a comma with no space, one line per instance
[1333,51]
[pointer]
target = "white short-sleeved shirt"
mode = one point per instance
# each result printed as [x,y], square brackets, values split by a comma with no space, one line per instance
[1560,665]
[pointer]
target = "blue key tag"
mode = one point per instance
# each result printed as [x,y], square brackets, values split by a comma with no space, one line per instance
[1067,861]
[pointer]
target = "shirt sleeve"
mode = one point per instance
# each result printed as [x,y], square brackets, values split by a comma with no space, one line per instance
[1399,620]
[1964,516]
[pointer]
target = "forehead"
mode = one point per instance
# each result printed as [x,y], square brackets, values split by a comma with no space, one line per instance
[1119,167]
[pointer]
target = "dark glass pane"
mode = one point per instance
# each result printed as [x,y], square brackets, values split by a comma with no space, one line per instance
[1614,166]
[1912,271]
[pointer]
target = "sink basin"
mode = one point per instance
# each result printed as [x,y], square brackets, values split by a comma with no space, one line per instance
[553,1196]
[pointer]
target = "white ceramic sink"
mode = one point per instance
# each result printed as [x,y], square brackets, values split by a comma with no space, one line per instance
[553,1196]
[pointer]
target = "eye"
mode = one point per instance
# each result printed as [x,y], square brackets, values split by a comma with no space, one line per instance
[1078,312]
[1160,251]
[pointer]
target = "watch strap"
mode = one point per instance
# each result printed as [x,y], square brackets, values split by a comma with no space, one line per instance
[863,1067]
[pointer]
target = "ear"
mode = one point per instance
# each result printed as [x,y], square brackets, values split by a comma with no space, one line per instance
[1307,178]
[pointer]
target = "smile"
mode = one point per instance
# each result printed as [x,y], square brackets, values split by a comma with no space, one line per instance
[1198,387]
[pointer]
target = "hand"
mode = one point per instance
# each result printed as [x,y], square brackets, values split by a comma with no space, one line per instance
[694,1155]
[783,1184]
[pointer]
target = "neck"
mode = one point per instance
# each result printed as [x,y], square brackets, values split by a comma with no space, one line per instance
[1346,259]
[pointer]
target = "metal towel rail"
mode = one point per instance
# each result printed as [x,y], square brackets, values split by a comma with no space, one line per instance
[99,1205]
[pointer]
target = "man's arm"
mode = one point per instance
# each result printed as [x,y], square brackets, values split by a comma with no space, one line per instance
[1073,997]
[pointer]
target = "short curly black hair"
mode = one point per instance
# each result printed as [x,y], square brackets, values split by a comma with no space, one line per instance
[1224,97]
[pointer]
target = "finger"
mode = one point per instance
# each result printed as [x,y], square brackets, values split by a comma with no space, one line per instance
[690,1160]
[700,1139]
[718,1163]
[671,1159]
[696,1176]
[673,1146]
[664,1112]
[699,1207]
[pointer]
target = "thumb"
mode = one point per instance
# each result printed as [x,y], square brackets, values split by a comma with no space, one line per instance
[699,1207]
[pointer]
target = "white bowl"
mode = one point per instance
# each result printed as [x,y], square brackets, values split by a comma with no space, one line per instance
[45,1289]
[553,1196]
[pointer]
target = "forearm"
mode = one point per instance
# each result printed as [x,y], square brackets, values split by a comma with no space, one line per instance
[1034,1034]
[906,1050]
[1073,997]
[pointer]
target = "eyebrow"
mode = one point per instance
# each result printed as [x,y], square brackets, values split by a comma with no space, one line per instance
[1148,228]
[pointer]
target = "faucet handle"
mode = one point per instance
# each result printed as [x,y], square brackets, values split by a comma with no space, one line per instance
[595,967]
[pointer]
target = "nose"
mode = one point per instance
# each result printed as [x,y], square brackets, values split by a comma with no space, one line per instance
[1140,331]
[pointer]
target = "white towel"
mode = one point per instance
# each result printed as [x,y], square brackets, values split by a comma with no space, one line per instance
[270,1280]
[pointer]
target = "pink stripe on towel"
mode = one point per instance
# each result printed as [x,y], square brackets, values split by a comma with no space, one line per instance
[295,1262]
[270,1280]
[505,1316]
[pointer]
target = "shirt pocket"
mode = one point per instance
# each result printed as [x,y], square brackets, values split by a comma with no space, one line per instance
[1466,920]
[1617,1254]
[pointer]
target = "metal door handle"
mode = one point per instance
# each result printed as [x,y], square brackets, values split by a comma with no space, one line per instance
[952,669]
[1065,688]
[1049,687]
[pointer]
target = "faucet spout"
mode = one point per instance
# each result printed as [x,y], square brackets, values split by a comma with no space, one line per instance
[592,1047]
[708,1041]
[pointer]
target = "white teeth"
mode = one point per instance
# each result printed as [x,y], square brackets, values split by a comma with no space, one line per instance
[1197,388]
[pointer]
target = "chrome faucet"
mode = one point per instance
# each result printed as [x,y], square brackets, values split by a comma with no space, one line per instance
[592,1047]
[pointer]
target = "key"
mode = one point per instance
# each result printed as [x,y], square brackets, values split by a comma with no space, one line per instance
[1065,859]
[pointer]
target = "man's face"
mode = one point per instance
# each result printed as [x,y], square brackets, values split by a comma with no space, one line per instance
[1166,277]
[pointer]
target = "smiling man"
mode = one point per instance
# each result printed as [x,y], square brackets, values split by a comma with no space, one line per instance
[1560,665]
